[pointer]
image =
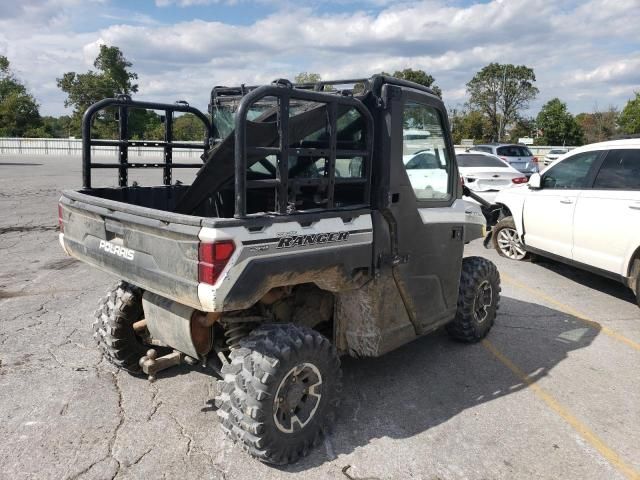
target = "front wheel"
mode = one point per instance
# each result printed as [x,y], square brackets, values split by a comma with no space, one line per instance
[478,299]
[507,241]
[280,392]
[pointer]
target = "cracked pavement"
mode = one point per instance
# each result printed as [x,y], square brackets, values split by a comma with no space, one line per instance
[433,409]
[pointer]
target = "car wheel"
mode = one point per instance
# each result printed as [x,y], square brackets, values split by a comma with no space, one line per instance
[506,240]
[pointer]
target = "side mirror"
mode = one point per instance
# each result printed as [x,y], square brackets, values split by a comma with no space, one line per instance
[535,181]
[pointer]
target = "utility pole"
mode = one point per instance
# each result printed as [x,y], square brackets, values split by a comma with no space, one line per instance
[504,79]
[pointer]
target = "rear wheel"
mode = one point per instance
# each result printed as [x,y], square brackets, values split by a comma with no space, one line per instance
[506,240]
[478,299]
[280,392]
[113,327]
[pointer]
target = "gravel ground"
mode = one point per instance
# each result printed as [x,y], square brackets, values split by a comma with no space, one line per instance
[552,393]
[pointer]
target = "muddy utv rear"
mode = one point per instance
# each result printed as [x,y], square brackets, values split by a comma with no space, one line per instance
[314,229]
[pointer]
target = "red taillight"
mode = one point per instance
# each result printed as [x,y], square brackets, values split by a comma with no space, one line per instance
[519,180]
[212,258]
[60,222]
[505,159]
[535,159]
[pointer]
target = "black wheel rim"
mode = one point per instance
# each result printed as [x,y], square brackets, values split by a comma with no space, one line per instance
[297,398]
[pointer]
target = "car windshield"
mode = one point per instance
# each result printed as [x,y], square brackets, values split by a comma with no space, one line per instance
[514,151]
[557,152]
[466,160]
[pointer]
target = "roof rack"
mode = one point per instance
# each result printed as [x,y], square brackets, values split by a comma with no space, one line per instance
[220,94]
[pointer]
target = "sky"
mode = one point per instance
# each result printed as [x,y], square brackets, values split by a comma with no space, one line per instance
[587,53]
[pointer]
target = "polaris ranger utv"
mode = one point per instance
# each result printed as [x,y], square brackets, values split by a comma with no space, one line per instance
[323,222]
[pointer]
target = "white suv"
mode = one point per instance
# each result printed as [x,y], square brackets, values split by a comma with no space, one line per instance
[584,210]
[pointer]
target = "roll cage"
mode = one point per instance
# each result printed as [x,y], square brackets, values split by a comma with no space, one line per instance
[283,139]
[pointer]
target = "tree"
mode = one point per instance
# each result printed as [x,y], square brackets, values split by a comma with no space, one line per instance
[599,125]
[307,77]
[523,127]
[469,124]
[558,125]
[111,78]
[19,115]
[501,92]
[188,127]
[630,117]
[418,76]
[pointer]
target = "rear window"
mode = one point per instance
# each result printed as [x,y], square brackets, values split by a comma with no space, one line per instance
[466,160]
[557,152]
[514,151]
[620,171]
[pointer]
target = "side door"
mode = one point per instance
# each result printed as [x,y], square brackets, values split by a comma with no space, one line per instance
[606,227]
[426,217]
[547,215]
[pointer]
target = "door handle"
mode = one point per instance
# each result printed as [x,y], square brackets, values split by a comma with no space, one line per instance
[635,206]
[566,201]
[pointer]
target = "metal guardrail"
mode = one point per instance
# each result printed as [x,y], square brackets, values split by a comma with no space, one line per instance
[73,147]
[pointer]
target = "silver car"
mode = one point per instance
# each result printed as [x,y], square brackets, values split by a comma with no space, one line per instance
[518,156]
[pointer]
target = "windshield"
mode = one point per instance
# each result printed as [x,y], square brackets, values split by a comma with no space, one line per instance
[466,160]
[224,115]
[557,152]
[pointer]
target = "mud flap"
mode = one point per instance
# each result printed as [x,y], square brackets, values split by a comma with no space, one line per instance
[487,240]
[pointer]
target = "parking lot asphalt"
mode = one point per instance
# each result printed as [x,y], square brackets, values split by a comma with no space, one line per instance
[553,392]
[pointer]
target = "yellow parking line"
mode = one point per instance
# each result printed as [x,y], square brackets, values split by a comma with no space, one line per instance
[570,311]
[591,438]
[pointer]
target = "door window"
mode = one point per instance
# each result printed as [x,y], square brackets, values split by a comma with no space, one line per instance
[571,173]
[620,171]
[424,152]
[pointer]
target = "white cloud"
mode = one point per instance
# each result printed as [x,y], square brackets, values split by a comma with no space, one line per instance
[579,53]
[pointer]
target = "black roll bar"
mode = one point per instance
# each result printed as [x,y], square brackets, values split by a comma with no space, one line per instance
[124,103]
[285,92]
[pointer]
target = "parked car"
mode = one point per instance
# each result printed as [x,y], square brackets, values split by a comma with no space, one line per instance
[487,174]
[427,173]
[583,210]
[518,156]
[414,140]
[553,155]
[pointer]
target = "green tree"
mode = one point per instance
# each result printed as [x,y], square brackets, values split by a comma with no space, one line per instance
[522,127]
[307,77]
[84,89]
[469,124]
[19,115]
[188,127]
[501,92]
[420,77]
[600,125]
[558,126]
[630,116]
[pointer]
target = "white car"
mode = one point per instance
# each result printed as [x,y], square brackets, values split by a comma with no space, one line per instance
[553,155]
[583,210]
[427,172]
[486,174]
